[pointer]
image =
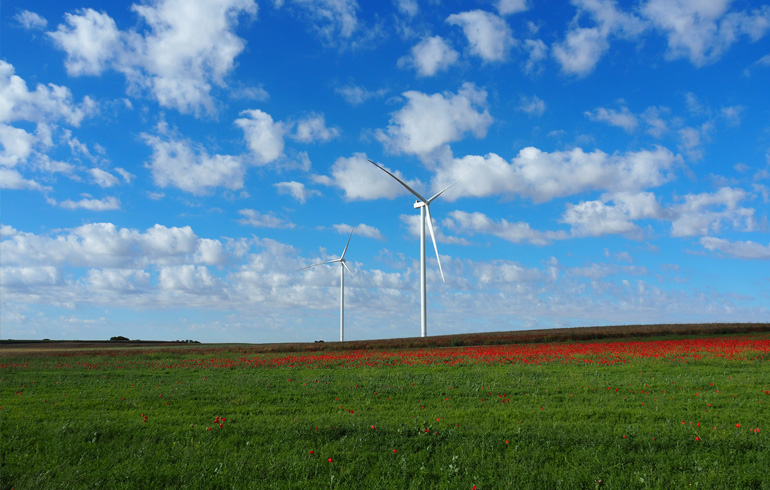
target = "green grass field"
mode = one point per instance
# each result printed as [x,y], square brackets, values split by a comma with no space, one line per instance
[192,418]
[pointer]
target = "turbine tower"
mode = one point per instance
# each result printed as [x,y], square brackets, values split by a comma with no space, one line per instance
[424,205]
[343,266]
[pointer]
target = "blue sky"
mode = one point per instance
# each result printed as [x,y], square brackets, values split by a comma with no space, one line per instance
[167,166]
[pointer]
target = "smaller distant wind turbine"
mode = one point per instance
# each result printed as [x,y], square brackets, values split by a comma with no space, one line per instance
[343,266]
[424,206]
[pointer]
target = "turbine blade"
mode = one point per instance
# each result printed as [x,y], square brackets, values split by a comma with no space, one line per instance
[433,237]
[348,268]
[351,236]
[320,263]
[447,187]
[399,181]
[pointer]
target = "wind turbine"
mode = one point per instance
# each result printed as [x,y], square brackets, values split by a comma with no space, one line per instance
[343,266]
[424,205]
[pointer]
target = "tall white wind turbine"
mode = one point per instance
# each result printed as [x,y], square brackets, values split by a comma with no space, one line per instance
[424,205]
[343,266]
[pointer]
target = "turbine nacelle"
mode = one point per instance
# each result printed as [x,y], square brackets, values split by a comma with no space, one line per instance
[419,204]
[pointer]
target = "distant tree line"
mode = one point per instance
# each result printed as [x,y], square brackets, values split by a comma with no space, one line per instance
[120,338]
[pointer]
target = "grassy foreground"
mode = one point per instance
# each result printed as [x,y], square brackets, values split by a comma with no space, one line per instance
[603,415]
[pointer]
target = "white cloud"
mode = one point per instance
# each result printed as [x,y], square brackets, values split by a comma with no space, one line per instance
[507,7]
[313,128]
[263,136]
[91,40]
[90,204]
[356,95]
[124,281]
[127,176]
[11,179]
[740,250]
[105,245]
[44,108]
[176,163]
[532,105]
[622,119]
[188,48]
[252,217]
[335,20]
[297,190]
[703,31]
[732,114]
[47,103]
[584,46]
[428,122]
[189,278]
[542,176]
[16,144]
[703,214]
[488,35]
[652,116]
[359,179]
[103,178]
[430,56]
[691,139]
[597,218]
[361,229]
[410,8]
[30,20]
[581,50]
[538,51]
[516,232]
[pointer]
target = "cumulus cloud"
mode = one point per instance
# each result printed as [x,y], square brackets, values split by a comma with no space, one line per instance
[622,118]
[583,47]
[705,213]
[187,48]
[103,245]
[297,190]
[703,31]
[264,137]
[739,250]
[103,178]
[515,232]
[313,128]
[613,214]
[361,229]
[89,203]
[30,20]
[430,56]
[179,163]
[91,40]
[12,179]
[46,103]
[335,20]
[538,51]
[542,176]
[532,105]
[581,50]
[357,95]
[427,122]
[359,179]
[488,35]
[252,217]
[507,7]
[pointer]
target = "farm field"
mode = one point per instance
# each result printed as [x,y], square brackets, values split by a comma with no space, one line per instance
[668,413]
